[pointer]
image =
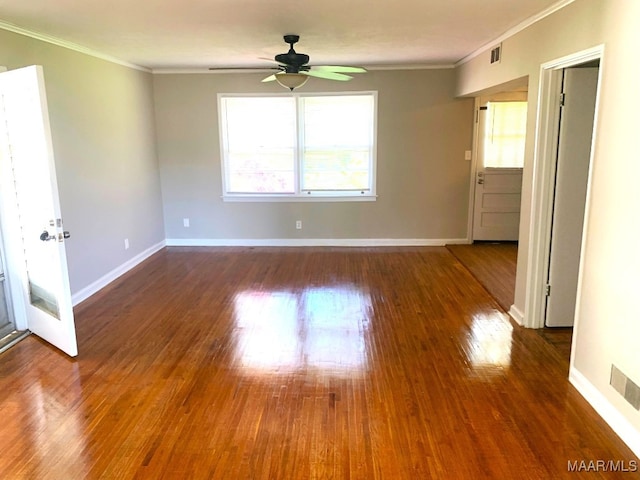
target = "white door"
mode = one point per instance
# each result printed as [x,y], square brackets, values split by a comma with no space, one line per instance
[572,172]
[31,219]
[496,212]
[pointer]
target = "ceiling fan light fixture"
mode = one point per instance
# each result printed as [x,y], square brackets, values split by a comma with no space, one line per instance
[291,80]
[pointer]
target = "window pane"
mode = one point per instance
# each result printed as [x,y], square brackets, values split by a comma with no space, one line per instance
[338,143]
[505,133]
[259,144]
[336,170]
[298,144]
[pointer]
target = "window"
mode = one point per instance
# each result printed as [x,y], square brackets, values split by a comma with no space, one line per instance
[316,146]
[505,133]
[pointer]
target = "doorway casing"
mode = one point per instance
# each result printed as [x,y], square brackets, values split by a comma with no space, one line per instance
[544,164]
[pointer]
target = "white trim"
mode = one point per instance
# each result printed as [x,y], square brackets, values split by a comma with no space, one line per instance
[298,198]
[43,37]
[516,314]
[414,66]
[472,171]
[514,30]
[601,404]
[251,69]
[106,279]
[544,159]
[313,242]
[593,53]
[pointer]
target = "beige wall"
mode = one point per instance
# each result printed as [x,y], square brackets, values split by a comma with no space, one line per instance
[104,143]
[422,177]
[608,325]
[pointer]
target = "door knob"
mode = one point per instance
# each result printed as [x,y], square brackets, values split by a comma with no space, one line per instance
[45,237]
[66,234]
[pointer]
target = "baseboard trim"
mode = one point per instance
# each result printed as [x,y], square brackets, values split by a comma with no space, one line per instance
[312,242]
[620,425]
[516,314]
[105,280]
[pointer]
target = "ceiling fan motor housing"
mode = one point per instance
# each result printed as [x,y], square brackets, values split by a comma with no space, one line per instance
[291,60]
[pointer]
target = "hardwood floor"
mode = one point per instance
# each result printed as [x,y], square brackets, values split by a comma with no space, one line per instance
[309,363]
[494,266]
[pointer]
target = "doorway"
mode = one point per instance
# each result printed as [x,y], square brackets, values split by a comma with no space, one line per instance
[500,134]
[547,176]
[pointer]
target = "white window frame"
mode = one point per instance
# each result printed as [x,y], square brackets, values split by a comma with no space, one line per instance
[299,195]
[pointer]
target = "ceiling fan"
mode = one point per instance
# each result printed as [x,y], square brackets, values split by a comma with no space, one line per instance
[294,69]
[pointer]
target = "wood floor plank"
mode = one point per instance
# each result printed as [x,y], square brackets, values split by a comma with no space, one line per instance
[287,363]
[494,265]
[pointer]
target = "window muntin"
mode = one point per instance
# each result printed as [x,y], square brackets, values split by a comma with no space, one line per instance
[298,146]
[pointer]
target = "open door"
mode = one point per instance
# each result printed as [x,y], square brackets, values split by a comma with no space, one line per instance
[579,90]
[501,133]
[31,219]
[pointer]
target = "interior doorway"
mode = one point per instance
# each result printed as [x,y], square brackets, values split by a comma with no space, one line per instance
[546,180]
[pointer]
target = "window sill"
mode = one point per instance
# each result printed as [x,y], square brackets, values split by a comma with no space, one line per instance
[298,198]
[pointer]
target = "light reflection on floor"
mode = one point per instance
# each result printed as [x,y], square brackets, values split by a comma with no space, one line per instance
[488,345]
[63,427]
[314,328]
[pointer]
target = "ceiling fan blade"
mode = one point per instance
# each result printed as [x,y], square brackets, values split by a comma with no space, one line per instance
[328,75]
[338,68]
[267,59]
[270,78]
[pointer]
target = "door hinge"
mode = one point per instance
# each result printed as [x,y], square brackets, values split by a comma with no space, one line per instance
[547,290]
[478,112]
[562,98]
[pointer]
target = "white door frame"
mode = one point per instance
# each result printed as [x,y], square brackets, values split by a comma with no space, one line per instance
[544,162]
[472,172]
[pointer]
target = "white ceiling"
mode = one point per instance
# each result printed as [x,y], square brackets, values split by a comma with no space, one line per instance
[165,34]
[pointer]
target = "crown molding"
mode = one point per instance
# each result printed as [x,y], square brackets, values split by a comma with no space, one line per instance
[514,30]
[68,45]
[414,66]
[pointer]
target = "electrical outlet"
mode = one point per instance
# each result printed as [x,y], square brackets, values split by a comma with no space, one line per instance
[126,244]
[298,224]
[185,222]
[467,154]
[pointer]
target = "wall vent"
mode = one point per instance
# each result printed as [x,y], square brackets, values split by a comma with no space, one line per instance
[625,387]
[496,54]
